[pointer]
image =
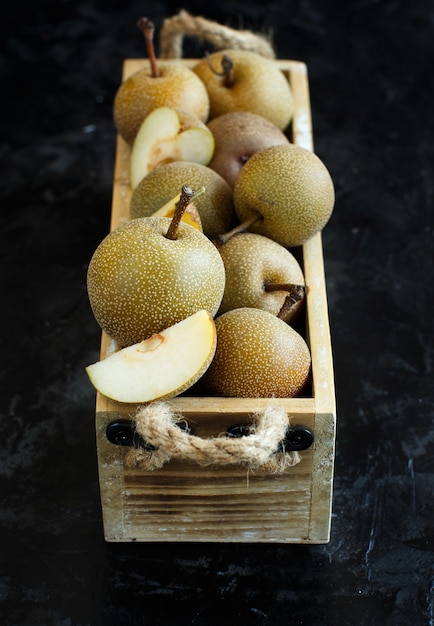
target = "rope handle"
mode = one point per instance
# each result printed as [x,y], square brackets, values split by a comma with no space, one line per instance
[157,424]
[175,28]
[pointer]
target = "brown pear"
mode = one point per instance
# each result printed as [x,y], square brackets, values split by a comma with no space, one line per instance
[166,83]
[238,136]
[258,356]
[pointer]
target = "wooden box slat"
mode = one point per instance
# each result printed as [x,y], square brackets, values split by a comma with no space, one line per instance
[186,502]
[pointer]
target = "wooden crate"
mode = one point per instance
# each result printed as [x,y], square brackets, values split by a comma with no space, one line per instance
[184,501]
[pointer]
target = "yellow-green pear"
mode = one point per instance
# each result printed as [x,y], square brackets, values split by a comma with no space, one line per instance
[261,273]
[242,80]
[215,206]
[166,83]
[285,193]
[152,272]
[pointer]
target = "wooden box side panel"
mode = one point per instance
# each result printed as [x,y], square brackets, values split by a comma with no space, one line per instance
[186,502]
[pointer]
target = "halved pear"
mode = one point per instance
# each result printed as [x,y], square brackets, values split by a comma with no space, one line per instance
[168,135]
[162,366]
[190,216]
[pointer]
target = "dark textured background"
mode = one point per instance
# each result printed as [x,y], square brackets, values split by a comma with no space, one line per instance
[371,79]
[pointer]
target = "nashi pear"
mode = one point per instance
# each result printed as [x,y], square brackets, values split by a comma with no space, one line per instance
[288,190]
[215,206]
[260,273]
[255,84]
[162,83]
[140,282]
[258,356]
[238,136]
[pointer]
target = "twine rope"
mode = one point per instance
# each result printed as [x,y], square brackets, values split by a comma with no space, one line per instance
[157,424]
[175,28]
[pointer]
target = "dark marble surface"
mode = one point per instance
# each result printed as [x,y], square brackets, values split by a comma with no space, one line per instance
[370,67]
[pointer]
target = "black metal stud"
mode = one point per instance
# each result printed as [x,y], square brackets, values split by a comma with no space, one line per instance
[297,438]
[239,430]
[123,433]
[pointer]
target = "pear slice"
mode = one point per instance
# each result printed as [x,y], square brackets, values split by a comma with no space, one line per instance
[160,367]
[168,135]
[190,216]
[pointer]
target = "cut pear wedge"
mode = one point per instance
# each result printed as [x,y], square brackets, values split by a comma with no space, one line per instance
[160,367]
[168,135]
[190,216]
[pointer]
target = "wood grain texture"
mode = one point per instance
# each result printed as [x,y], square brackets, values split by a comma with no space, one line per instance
[188,502]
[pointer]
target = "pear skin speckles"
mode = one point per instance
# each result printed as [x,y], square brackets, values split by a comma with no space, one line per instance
[258,356]
[291,188]
[177,87]
[251,262]
[259,86]
[140,283]
[238,135]
[215,206]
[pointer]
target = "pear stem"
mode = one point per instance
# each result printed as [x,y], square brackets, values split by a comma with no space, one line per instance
[187,195]
[147,28]
[227,70]
[295,290]
[223,238]
[296,293]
